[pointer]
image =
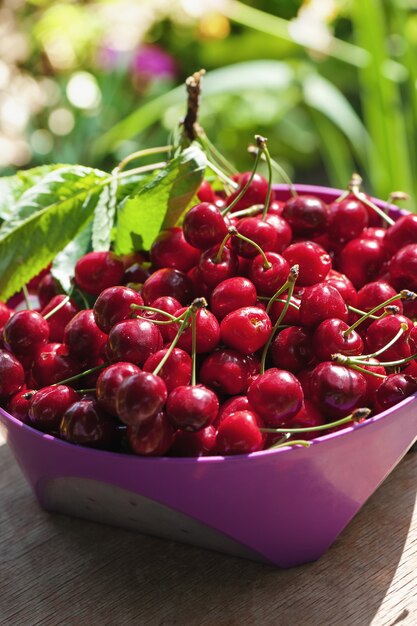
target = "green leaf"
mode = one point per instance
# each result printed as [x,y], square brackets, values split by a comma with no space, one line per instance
[51,214]
[160,201]
[104,215]
[12,187]
[64,263]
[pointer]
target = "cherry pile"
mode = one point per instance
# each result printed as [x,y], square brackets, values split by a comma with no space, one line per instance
[258,323]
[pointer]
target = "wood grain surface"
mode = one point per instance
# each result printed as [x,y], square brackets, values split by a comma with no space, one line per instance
[57,570]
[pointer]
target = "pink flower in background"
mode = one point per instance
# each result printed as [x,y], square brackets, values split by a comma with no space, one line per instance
[152,61]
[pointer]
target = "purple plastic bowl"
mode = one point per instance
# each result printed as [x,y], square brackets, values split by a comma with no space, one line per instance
[284,506]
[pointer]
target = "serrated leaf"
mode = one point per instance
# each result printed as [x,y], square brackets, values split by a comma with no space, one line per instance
[160,201]
[64,263]
[104,215]
[51,214]
[12,187]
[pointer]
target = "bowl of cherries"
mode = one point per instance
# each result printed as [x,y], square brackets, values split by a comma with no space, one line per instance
[245,384]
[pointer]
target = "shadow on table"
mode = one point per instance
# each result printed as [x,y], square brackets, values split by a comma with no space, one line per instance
[120,577]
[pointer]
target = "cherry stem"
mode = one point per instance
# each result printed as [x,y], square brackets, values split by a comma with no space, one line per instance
[342,359]
[218,257]
[278,168]
[154,310]
[353,309]
[92,389]
[246,187]
[364,357]
[173,343]
[262,143]
[377,308]
[26,296]
[139,154]
[193,346]
[236,233]
[354,188]
[290,284]
[81,375]
[252,210]
[399,362]
[60,305]
[357,416]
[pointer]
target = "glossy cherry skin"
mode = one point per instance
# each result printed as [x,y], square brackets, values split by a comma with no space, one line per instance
[291,317]
[246,330]
[12,375]
[320,302]
[168,305]
[393,389]
[313,260]
[231,294]
[85,423]
[5,314]
[375,293]
[329,339]
[257,230]
[168,282]
[109,381]
[361,260]
[268,280]
[308,416]
[114,305]
[207,332]
[307,215]
[226,371]
[153,438]
[58,321]
[140,398]
[255,194]
[276,396]
[53,365]
[413,340]
[232,405]
[204,226]
[192,408]
[200,443]
[47,289]
[206,192]
[381,331]
[170,249]
[372,365]
[343,285]
[214,271]
[95,271]
[348,218]
[133,341]
[282,229]
[24,333]
[403,267]
[48,405]
[83,338]
[18,405]
[239,434]
[200,288]
[292,349]
[401,234]
[175,372]
[336,390]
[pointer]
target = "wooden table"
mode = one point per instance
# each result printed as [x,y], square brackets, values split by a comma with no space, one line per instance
[57,570]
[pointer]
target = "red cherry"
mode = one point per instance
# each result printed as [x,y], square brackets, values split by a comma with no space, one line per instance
[83,338]
[18,405]
[168,282]
[95,271]
[276,396]
[246,329]
[337,390]
[213,270]
[344,287]
[136,274]
[348,218]
[291,349]
[403,267]
[48,405]
[140,398]
[361,260]
[307,215]
[114,305]
[58,320]
[401,234]
[207,331]
[133,341]
[262,233]
[24,333]
[5,314]
[372,382]
[170,249]
[381,331]
[282,229]
[232,405]
[175,372]
[291,317]
[53,365]
[12,375]
[255,194]
[206,192]
[192,408]
[200,443]
[204,226]
[329,339]
[268,280]
[227,371]
[47,289]
[393,389]
[239,434]
[313,260]
[109,381]
[85,423]
[153,438]
[231,294]
[320,302]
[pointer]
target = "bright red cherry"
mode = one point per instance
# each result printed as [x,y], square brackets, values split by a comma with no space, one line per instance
[348,218]
[336,390]
[85,423]
[133,341]
[239,434]
[24,333]
[313,260]
[114,305]
[207,332]
[83,338]
[343,285]
[58,320]
[393,389]
[48,405]
[200,443]
[213,270]
[403,267]
[170,249]
[361,260]
[176,370]
[53,365]
[206,192]
[246,330]
[140,398]
[168,282]
[282,229]
[401,234]
[95,271]
[153,438]
[204,226]
[18,405]
[276,396]
[168,305]
[5,314]
[231,294]
[268,280]
[291,317]
[12,375]
[374,293]
[320,302]
[200,288]
[192,408]
[307,215]
[226,371]
[329,339]
[259,231]
[291,349]
[381,331]
[232,405]
[109,381]
[255,194]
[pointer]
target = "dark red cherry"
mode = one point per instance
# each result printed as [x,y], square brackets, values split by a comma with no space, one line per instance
[268,280]
[401,234]
[313,260]
[140,398]
[246,330]
[232,405]
[231,294]
[18,405]
[336,390]
[192,408]
[95,271]
[320,302]
[239,434]
[213,270]
[176,370]
[226,371]
[109,381]
[47,289]
[168,282]
[204,226]
[262,233]
[136,274]
[53,365]
[372,382]
[343,285]
[114,305]
[381,331]
[361,260]
[48,405]
[200,443]
[170,249]
[348,218]
[168,305]
[200,288]
[375,293]
[307,215]
[133,341]
[393,389]
[85,423]
[12,375]
[307,417]
[5,314]
[255,194]
[24,333]
[291,349]
[276,396]
[58,320]
[153,438]
[329,339]
[403,267]
[83,338]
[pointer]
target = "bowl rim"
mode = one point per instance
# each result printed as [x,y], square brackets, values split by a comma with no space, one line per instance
[320,439]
